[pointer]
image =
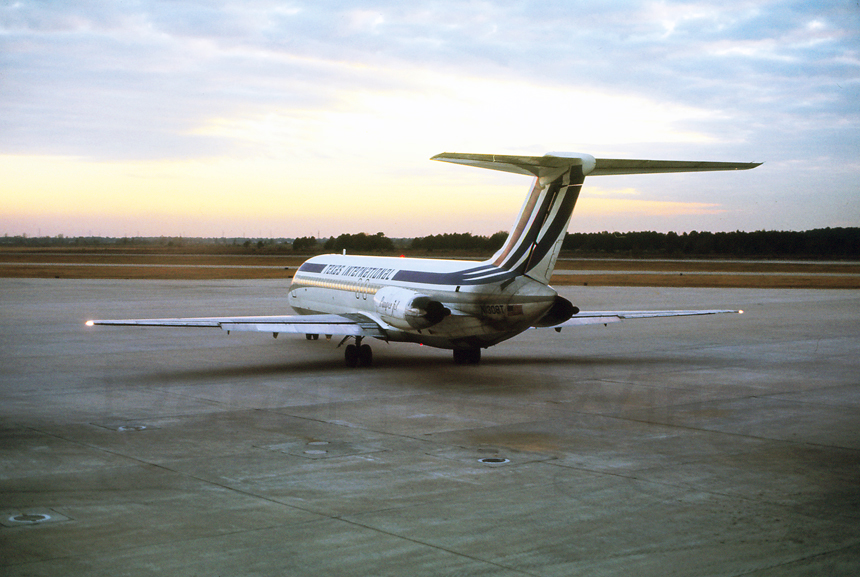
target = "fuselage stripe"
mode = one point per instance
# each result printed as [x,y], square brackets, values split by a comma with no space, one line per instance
[566,192]
[517,233]
[529,234]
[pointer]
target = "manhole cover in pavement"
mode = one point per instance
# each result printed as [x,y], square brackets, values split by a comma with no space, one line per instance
[29,518]
[32,517]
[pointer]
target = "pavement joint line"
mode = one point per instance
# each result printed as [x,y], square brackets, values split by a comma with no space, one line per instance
[855,543]
[687,487]
[741,435]
[275,501]
[774,397]
[808,494]
[114,547]
[180,473]
[439,547]
[704,430]
[228,487]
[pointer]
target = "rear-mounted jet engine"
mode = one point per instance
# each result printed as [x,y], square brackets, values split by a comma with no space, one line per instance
[408,310]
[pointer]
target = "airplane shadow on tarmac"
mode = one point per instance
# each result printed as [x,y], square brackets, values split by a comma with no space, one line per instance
[415,363]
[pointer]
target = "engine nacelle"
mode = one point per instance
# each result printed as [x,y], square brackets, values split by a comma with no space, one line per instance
[406,309]
[561,310]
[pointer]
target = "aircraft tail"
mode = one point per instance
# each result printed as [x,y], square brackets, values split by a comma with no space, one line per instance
[533,245]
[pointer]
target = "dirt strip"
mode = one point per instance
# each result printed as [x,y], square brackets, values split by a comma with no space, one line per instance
[12,257]
[153,272]
[711,266]
[644,275]
[727,280]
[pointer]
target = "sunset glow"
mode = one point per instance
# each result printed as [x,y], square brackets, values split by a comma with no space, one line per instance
[213,129]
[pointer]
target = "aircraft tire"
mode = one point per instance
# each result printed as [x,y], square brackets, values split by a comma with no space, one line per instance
[474,356]
[312,337]
[467,356]
[350,355]
[365,356]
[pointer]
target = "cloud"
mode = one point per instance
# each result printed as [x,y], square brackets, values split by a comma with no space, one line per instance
[380,86]
[614,206]
[158,69]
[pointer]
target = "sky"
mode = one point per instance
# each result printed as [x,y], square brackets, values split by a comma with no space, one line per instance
[291,118]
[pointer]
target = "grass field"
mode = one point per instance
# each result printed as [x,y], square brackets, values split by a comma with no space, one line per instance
[101,264]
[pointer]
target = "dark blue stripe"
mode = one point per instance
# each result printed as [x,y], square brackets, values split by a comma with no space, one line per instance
[481,270]
[529,236]
[556,228]
[463,277]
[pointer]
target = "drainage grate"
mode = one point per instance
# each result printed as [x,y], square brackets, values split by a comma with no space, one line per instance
[39,516]
[325,449]
[30,519]
[317,452]
[123,425]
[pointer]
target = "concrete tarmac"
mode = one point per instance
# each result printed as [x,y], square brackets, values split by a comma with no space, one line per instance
[726,445]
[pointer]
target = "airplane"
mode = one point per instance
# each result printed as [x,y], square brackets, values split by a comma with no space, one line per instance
[465,306]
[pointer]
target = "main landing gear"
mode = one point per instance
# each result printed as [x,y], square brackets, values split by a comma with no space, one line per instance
[361,355]
[467,356]
[358,355]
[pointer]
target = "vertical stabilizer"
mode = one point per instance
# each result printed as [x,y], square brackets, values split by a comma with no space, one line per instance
[533,245]
[534,242]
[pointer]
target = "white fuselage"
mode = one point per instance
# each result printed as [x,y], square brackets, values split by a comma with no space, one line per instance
[482,304]
[459,305]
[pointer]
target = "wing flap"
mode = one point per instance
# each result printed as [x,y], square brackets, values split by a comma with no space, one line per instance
[604,317]
[300,324]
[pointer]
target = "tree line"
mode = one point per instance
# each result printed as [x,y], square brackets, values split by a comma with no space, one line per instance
[817,243]
[459,241]
[839,243]
[361,242]
[836,243]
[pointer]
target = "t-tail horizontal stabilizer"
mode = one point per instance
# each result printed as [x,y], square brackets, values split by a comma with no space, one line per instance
[555,162]
[533,245]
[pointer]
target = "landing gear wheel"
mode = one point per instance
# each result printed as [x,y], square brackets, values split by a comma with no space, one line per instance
[467,356]
[350,355]
[365,356]
[312,337]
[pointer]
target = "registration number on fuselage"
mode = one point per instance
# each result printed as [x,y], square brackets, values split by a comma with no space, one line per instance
[504,310]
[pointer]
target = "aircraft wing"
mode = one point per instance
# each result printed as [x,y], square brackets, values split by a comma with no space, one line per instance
[347,324]
[604,317]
